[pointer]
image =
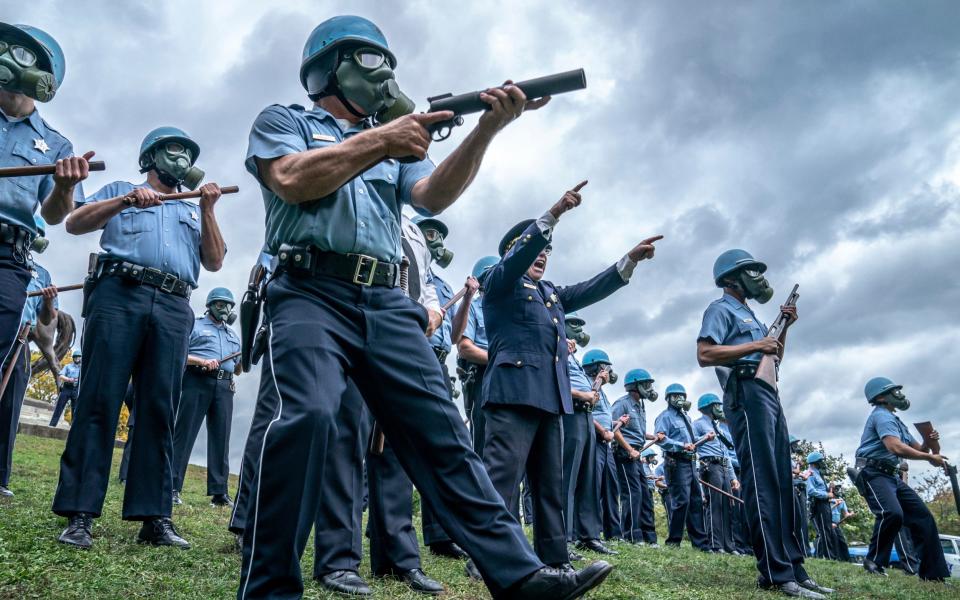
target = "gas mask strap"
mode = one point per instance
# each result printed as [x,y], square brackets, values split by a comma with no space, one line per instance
[346,103]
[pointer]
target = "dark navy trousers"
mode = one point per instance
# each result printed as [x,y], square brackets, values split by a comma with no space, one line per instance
[762,444]
[717,512]
[686,504]
[803,515]
[394,547]
[738,522]
[822,519]
[138,331]
[68,394]
[323,331]
[608,490]
[631,482]
[580,477]
[10,405]
[14,278]
[473,393]
[204,398]
[896,505]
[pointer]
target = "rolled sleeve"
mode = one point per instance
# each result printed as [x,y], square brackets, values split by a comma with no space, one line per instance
[887,425]
[716,324]
[275,133]
[410,174]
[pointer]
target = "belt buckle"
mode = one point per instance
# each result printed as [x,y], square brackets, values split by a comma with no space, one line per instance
[168,284]
[362,260]
[220,374]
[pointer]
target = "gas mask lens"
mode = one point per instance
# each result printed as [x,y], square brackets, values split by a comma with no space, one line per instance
[175,148]
[25,57]
[368,58]
[433,235]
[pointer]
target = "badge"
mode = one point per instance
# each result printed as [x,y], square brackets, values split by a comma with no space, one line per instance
[41,145]
[554,297]
[529,285]
[324,138]
[193,215]
[748,320]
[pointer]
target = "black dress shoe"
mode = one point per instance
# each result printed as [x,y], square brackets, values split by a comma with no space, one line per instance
[161,532]
[792,589]
[419,582]
[448,549]
[176,499]
[812,585]
[551,584]
[565,567]
[345,582]
[4,492]
[77,532]
[472,571]
[873,568]
[573,555]
[221,500]
[596,546]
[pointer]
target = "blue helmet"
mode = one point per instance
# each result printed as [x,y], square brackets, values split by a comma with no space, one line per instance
[573,318]
[480,267]
[794,438]
[50,56]
[637,376]
[41,225]
[335,33]
[878,386]
[814,457]
[731,260]
[648,452]
[429,222]
[76,353]
[706,400]
[675,388]
[596,357]
[162,135]
[220,293]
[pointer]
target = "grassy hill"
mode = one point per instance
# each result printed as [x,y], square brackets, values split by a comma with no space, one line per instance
[34,565]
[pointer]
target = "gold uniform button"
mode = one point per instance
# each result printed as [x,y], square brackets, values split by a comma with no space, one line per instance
[519,363]
[529,297]
[549,305]
[556,359]
[555,320]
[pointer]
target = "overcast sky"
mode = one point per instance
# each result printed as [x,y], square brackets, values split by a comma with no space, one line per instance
[820,136]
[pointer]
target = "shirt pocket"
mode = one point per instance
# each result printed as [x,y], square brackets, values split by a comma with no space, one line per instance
[138,220]
[28,157]
[528,306]
[383,180]
[751,328]
[189,225]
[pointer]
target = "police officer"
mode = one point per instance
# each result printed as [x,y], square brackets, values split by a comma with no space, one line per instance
[43,309]
[207,394]
[32,67]
[732,339]
[138,322]
[680,455]
[69,384]
[636,502]
[717,470]
[584,525]
[885,441]
[838,513]
[608,488]
[800,476]
[527,386]
[663,489]
[820,498]
[334,313]
[470,335]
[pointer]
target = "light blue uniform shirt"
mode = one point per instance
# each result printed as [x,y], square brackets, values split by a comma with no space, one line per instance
[602,411]
[659,471]
[578,378]
[816,487]
[40,278]
[727,322]
[635,431]
[211,340]
[29,142]
[475,330]
[839,509]
[673,423]
[165,237]
[880,424]
[648,474]
[72,370]
[441,337]
[714,447]
[362,216]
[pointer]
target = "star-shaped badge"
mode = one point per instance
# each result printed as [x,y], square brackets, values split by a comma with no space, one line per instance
[193,215]
[41,145]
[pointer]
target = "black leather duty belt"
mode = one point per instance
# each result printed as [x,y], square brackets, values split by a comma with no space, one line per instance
[353,268]
[165,282]
[714,460]
[441,353]
[886,467]
[218,374]
[680,456]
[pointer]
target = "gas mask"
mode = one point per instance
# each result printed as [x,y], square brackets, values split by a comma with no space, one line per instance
[438,253]
[755,286]
[646,391]
[716,412]
[679,401]
[19,73]
[173,163]
[365,78]
[897,399]
[577,334]
[39,244]
[613,376]
[77,360]
[221,311]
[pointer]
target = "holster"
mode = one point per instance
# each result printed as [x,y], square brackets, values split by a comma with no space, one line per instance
[89,282]
[252,333]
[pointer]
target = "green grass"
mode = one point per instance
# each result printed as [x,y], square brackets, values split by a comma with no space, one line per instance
[34,565]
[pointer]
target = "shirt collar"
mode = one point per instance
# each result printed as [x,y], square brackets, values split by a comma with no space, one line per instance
[323,115]
[33,119]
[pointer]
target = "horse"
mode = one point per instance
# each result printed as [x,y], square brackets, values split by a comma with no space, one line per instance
[54,341]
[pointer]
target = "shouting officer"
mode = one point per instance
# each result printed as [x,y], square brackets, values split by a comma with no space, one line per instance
[69,387]
[527,385]
[732,339]
[31,69]
[333,185]
[470,335]
[138,323]
[717,470]
[885,441]
[207,394]
[820,498]
[680,454]
[584,525]
[636,502]
[42,309]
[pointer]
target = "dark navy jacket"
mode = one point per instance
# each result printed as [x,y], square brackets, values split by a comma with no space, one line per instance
[524,321]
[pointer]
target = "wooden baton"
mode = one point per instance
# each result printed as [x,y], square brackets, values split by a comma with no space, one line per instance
[93,165]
